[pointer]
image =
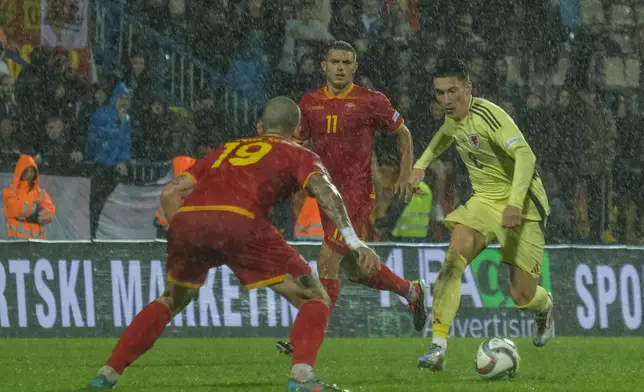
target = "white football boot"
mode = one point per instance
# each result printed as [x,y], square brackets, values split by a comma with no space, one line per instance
[434,358]
[543,328]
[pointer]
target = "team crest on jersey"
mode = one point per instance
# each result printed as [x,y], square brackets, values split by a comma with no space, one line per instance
[475,140]
[350,107]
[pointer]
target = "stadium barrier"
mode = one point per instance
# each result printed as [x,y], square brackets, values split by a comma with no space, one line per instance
[116,34]
[85,289]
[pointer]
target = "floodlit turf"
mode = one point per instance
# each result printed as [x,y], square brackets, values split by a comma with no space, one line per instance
[193,365]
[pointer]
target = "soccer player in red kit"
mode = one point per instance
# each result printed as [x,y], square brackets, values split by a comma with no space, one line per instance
[340,120]
[218,213]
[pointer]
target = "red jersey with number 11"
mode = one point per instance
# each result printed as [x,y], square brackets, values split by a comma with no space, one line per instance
[249,176]
[342,130]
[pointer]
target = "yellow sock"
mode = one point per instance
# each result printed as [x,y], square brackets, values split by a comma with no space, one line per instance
[447,293]
[440,330]
[539,303]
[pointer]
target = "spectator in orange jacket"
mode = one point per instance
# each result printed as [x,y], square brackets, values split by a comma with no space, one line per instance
[179,165]
[27,207]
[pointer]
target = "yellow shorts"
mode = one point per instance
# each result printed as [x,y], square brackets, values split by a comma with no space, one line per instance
[522,247]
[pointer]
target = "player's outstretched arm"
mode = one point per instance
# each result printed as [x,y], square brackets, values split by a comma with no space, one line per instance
[330,201]
[174,193]
[439,143]
[406,152]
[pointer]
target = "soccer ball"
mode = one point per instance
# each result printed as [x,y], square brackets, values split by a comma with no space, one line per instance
[497,358]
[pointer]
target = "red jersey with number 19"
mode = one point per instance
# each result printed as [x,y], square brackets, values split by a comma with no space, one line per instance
[342,130]
[249,176]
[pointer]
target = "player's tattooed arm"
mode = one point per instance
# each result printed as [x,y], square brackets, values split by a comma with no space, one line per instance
[174,193]
[329,199]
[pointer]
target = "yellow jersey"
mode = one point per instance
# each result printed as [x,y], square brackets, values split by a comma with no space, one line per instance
[500,162]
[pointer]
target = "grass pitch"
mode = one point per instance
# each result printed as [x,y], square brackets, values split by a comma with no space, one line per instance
[369,365]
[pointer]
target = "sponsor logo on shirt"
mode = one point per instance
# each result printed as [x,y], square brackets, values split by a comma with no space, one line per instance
[475,140]
[512,141]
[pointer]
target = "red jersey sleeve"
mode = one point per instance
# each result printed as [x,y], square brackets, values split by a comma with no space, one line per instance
[304,132]
[308,165]
[384,114]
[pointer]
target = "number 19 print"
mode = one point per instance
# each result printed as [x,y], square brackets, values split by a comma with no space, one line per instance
[245,155]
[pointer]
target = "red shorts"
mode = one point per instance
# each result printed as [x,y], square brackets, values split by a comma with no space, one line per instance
[253,249]
[360,207]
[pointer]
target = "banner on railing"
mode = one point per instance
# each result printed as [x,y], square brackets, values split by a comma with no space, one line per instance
[63,24]
[94,290]
[128,212]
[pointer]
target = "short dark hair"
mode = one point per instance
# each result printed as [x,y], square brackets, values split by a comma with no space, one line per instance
[451,68]
[281,113]
[341,45]
[110,81]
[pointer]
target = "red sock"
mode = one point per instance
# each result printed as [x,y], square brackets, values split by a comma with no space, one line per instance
[139,336]
[332,287]
[386,279]
[308,331]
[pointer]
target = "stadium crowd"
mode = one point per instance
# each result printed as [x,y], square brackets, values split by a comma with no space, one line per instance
[568,75]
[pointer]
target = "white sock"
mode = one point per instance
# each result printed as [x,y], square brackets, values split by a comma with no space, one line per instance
[109,373]
[413,293]
[302,372]
[440,341]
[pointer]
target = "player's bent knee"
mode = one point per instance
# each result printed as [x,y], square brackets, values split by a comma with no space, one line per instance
[166,299]
[522,294]
[176,298]
[302,289]
[310,288]
[466,241]
[463,245]
[325,300]
[523,286]
[454,265]
[318,296]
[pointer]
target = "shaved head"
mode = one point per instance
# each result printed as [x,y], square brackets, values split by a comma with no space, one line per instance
[281,115]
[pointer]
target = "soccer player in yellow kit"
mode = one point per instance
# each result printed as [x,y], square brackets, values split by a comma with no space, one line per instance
[509,204]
